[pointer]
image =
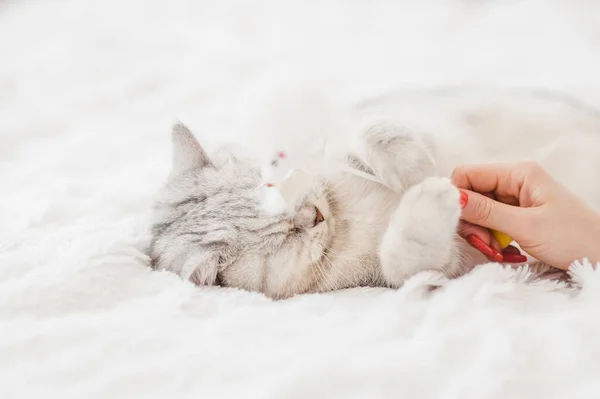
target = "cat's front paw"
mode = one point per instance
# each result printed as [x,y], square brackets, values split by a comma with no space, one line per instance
[422,231]
[396,155]
[433,206]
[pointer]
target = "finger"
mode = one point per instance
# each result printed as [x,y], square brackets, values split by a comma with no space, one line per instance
[465,229]
[495,244]
[483,211]
[485,249]
[507,199]
[511,183]
[480,231]
[485,178]
[503,180]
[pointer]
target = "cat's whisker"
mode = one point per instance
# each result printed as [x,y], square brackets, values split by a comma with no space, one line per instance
[342,255]
[323,278]
[332,187]
[334,268]
[326,284]
[347,259]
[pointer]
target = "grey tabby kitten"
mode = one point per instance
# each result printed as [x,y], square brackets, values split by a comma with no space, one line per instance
[347,232]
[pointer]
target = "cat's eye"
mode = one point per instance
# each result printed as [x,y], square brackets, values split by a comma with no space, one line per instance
[319,216]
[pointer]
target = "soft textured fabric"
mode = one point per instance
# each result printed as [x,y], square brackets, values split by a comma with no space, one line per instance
[88,90]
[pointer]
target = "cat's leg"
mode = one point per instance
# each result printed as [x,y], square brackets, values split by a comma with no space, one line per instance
[395,154]
[422,232]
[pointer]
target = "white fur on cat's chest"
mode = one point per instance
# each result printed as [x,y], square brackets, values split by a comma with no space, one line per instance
[366,208]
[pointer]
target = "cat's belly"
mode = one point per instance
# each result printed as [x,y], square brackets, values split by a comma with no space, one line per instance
[366,208]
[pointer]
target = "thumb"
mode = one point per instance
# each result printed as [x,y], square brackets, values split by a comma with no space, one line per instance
[483,211]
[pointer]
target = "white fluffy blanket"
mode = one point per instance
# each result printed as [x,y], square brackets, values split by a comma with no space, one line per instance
[88,90]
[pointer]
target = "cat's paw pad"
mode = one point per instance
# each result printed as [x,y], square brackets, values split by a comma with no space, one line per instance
[434,204]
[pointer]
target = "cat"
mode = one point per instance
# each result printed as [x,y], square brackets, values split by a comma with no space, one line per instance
[347,232]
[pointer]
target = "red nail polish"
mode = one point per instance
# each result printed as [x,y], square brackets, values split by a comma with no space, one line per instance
[514,258]
[497,256]
[485,249]
[478,244]
[281,155]
[464,198]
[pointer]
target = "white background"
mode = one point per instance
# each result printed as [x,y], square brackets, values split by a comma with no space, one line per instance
[88,90]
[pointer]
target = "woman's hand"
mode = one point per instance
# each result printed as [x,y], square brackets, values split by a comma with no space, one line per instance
[525,202]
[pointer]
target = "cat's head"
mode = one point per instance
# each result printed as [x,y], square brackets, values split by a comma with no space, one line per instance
[210,226]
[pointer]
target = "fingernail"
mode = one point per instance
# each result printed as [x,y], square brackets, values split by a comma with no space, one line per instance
[478,244]
[485,249]
[497,256]
[464,198]
[514,258]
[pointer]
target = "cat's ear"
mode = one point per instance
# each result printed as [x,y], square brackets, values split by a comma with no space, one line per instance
[187,152]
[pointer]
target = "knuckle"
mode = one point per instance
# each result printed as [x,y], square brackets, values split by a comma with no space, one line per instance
[456,172]
[483,210]
[457,175]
